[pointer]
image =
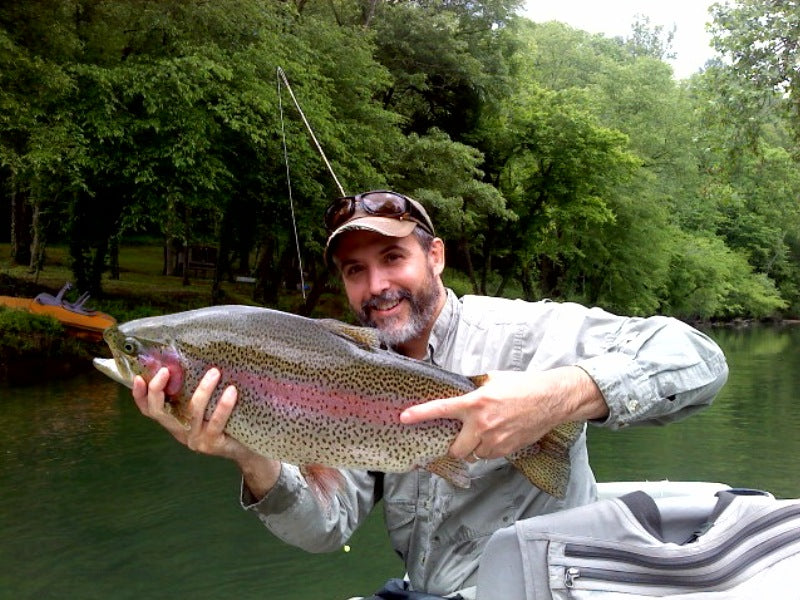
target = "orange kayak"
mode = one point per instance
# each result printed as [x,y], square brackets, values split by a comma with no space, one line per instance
[83,323]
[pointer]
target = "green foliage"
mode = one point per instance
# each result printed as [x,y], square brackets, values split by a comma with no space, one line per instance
[709,280]
[555,162]
[25,334]
[760,39]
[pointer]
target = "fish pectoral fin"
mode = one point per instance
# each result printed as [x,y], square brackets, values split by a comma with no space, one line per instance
[323,482]
[366,337]
[546,463]
[454,470]
[174,409]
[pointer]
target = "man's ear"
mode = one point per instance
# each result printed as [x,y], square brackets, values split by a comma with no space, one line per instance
[436,256]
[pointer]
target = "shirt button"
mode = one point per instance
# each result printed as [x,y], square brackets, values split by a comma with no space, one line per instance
[633,405]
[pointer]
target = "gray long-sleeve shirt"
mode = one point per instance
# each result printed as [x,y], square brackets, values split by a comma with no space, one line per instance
[654,370]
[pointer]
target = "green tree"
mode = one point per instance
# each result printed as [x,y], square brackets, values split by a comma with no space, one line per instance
[761,38]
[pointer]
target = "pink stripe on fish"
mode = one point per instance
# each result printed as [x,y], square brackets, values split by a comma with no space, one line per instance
[300,399]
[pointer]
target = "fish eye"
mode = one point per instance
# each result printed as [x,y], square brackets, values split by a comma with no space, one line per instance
[129,346]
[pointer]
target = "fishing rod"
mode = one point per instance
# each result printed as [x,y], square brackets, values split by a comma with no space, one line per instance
[282,78]
[281,75]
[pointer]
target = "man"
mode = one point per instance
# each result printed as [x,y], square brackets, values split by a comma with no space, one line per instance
[548,363]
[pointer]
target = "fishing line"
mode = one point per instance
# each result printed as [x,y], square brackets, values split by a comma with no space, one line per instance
[289,182]
[282,78]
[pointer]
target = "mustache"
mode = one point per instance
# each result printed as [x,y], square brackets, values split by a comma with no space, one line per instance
[387,297]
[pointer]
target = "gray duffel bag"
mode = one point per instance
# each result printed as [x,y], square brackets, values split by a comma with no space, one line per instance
[739,544]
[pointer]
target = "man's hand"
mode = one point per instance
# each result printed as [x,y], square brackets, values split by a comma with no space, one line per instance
[207,437]
[513,409]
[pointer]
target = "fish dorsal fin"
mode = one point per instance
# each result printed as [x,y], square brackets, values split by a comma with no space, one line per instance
[366,337]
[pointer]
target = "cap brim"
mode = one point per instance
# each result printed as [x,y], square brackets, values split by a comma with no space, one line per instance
[387,226]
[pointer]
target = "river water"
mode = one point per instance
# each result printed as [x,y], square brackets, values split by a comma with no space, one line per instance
[98,502]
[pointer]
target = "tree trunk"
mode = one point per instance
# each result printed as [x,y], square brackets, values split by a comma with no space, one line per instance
[113,257]
[488,245]
[527,281]
[38,244]
[21,218]
[263,292]
[368,12]
[549,277]
[463,246]
[95,287]
[171,261]
[317,289]
[185,280]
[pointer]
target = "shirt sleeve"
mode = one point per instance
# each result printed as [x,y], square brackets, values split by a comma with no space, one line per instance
[291,512]
[653,370]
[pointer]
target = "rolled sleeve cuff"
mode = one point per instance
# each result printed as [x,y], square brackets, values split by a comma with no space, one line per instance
[283,494]
[629,393]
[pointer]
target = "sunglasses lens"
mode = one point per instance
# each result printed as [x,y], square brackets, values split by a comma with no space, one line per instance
[383,203]
[338,213]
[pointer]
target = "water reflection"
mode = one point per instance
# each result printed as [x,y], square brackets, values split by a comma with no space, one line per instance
[748,438]
[99,502]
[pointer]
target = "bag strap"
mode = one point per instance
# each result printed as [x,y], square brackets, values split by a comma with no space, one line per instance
[724,500]
[644,509]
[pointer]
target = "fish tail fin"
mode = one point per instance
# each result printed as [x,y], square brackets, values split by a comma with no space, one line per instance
[454,470]
[546,463]
[323,482]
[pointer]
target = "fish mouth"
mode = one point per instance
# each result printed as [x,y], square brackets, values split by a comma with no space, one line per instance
[110,368]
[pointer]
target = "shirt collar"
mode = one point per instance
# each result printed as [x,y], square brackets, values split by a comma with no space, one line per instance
[444,329]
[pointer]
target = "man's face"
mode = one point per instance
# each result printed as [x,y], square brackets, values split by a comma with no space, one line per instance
[391,283]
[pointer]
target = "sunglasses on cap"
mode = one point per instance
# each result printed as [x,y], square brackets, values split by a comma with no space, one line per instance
[378,204]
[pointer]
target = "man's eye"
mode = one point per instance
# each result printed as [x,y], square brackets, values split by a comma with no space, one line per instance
[352,271]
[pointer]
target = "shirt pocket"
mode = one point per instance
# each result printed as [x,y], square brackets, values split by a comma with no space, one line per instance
[483,508]
[399,516]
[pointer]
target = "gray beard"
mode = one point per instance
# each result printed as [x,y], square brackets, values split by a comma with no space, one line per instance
[394,332]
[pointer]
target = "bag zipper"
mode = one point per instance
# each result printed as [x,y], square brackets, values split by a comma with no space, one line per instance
[686,563]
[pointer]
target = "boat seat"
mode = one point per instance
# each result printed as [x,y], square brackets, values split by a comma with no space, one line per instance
[671,511]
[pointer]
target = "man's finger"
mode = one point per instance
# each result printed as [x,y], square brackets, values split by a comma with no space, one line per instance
[222,412]
[202,395]
[446,408]
[464,444]
[155,391]
[159,381]
[140,393]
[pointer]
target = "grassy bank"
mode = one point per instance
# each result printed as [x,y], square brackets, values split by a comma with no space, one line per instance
[140,291]
[36,347]
[31,344]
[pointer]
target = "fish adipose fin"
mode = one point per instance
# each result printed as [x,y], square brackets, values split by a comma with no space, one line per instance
[454,470]
[323,482]
[546,463]
[478,380]
[366,337]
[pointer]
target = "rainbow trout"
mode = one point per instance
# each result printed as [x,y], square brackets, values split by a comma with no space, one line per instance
[317,393]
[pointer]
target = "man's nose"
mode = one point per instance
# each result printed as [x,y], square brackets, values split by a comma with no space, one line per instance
[378,283]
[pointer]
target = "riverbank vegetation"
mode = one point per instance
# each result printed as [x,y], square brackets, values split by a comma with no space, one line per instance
[555,163]
[35,347]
